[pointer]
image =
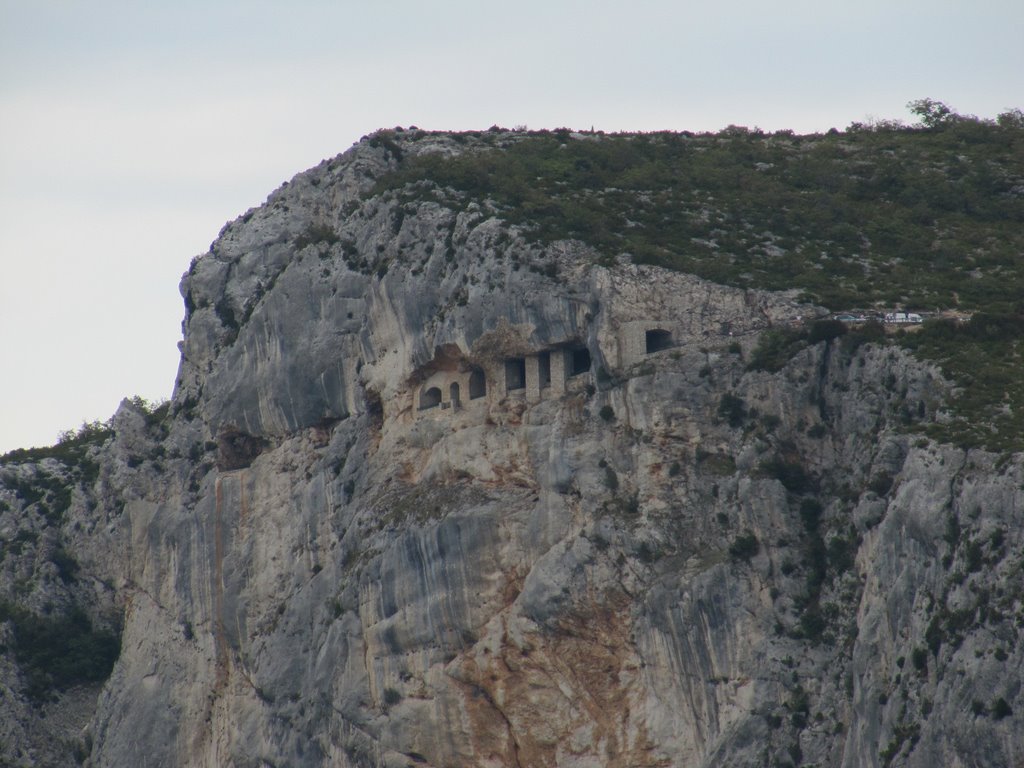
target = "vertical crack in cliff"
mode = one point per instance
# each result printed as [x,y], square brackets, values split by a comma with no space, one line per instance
[219,637]
[220,620]
[823,367]
[243,506]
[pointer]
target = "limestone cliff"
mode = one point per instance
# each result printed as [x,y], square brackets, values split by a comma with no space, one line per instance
[430,492]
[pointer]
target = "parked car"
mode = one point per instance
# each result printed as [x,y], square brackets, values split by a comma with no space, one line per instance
[902,318]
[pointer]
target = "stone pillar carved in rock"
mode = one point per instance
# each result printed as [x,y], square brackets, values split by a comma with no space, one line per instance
[532,379]
[558,368]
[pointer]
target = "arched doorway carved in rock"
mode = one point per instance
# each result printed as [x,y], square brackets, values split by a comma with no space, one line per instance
[430,398]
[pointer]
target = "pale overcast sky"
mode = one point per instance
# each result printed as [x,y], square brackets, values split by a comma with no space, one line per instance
[130,132]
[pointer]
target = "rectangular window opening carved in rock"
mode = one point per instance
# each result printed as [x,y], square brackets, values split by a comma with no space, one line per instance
[515,374]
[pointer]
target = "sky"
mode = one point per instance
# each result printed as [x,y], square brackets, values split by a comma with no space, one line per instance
[131,132]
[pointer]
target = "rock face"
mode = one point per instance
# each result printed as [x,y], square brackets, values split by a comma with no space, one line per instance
[430,493]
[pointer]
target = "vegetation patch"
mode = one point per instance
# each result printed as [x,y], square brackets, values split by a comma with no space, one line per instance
[315,234]
[789,472]
[744,546]
[427,502]
[72,448]
[716,463]
[47,492]
[984,357]
[56,652]
[732,409]
[776,347]
[926,215]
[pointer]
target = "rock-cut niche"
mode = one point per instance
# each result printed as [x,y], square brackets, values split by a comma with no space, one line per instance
[515,373]
[430,397]
[657,339]
[477,384]
[544,369]
[580,361]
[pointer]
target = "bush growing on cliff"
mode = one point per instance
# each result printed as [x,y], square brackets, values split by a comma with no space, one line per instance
[611,478]
[316,233]
[871,332]
[55,652]
[1000,709]
[720,464]
[67,566]
[880,484]
[732,409]
[744,546]
[810,514]
[154,412]
[825,330]
[775,348]
[919,658]
[790,473]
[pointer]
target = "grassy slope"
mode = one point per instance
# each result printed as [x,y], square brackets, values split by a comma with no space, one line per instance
[926,218]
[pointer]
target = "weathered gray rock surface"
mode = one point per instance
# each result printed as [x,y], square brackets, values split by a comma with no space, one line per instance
[635,559]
